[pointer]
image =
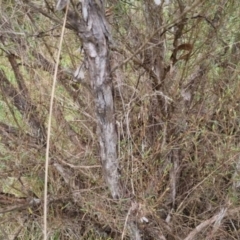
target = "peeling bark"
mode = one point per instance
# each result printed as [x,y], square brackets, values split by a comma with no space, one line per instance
[95,36]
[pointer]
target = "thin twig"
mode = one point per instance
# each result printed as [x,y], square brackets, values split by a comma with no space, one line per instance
[80,167]
[187,9]
[125,223]
[216,218]
[49,127]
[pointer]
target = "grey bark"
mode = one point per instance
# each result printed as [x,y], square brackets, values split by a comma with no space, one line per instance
[94,32]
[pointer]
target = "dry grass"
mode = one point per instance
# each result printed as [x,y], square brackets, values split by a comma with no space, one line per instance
[179,170]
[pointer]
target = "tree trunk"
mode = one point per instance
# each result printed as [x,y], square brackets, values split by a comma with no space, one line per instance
[95,35]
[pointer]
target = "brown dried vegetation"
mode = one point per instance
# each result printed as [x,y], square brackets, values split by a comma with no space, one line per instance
[174,70]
